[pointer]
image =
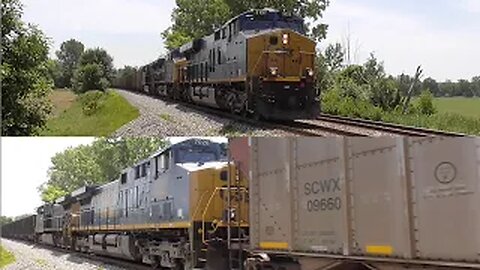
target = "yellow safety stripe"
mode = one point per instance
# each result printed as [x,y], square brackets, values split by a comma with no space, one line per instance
[274,245]
[381,250]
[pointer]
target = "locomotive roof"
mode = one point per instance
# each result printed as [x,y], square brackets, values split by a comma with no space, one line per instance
[193,141]
[252,11]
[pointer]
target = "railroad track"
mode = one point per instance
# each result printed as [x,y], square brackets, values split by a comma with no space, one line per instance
[351,126]
[387,127]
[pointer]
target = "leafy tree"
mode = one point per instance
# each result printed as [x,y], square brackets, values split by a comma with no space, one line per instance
[24,74]
[5,220]
[476,85]
[55,72]
[98,163]
[465,89]
[68,57]
[94,71]
[425,103]
[196,18]
[334,56]
[308,9]
[89,77]
[432,85]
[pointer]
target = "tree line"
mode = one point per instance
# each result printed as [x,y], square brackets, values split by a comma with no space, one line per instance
[95,164]
[28,75]
[81,70]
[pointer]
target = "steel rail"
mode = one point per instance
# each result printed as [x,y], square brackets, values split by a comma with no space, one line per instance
[387,127]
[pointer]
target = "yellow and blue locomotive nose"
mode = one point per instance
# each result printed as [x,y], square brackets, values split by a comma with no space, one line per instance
[281,54]
[281,63]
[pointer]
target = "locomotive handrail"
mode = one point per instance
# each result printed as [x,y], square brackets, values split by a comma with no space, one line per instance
[199,203]
[217,189]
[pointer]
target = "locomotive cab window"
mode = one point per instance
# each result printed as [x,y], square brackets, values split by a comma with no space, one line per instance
[273,40]
[123,178]
[219,57]
[217,35]
[144,170]
[224,33]
[157,166]
[165,160]
[224,175]
[137,172]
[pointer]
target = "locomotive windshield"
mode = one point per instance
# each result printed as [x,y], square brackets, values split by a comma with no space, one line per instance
[270,20]
[198,154]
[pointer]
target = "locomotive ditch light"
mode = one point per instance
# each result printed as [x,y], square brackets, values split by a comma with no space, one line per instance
[274,71]
[285,39]
[310,72]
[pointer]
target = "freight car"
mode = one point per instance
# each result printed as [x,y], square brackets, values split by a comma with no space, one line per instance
[364,203]
[259,63]
[23,228]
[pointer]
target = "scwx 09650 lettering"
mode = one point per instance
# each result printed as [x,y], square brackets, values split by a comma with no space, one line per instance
[324,195]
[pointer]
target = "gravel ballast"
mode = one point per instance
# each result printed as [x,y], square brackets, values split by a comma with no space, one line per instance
[163,118]
[29,256]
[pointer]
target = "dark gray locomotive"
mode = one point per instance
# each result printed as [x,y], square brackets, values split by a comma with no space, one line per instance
[260,63]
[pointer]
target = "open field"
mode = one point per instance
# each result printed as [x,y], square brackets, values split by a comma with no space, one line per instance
[113,112]
[459,105]
[6,257]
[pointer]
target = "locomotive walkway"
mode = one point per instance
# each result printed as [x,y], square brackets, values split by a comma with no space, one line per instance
[162,118]
[33,257]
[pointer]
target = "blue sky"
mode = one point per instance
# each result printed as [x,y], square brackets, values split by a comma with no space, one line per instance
[441,35]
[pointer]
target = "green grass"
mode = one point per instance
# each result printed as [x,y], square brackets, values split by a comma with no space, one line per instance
[6,257]
[443,119]
[459,105]
[112,112]
[167,117]
[61,99]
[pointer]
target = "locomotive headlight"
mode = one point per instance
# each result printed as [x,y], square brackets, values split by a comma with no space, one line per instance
[285,39]
[310,72]
[274,71]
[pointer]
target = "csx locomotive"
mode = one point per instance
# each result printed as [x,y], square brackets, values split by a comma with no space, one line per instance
[260,63]
[313,204]
[171,210]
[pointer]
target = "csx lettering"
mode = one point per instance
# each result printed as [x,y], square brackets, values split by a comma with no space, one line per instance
[324,204]
[322,186]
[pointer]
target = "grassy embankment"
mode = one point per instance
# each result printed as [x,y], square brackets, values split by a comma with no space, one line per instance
[6,257]
[460,115]
[91,114]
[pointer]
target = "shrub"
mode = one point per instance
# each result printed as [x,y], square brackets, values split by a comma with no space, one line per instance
[89,77]
[425,103]
[91,101]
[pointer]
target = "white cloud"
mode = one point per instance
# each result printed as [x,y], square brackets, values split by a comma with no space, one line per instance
[404,41]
